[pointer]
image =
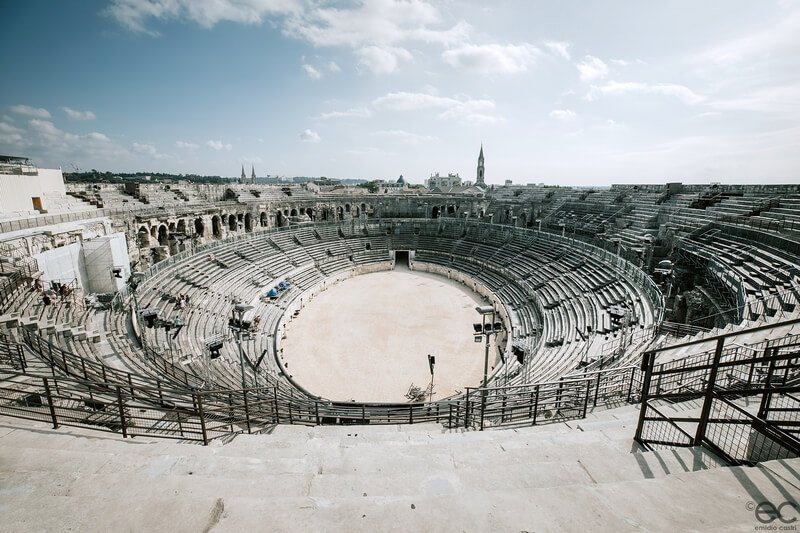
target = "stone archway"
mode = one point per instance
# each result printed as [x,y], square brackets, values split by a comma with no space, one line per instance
[263,219]
[216,226]
[181,227]
[435,212]
[232,222]
[293,212]
[143,237]
[248,222]
[199,227]
[163,235]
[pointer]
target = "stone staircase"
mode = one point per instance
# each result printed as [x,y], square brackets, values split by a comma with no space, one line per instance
[586,474]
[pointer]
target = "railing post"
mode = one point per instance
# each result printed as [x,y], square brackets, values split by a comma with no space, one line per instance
[535,405]
[50,403]
[630,384]
[466,411]
[709,394]
[121,408]
[247,410]
[450,415]
[596,390]
[586,398]
[648,360]
[230,410]
[411,413]
[767,396]
[275,396]
[316,411]
[483,406]
[199,399]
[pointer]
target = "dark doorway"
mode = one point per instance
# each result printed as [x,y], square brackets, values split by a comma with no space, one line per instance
[401,257]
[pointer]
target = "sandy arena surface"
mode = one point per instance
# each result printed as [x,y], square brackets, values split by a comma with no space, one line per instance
[368,337]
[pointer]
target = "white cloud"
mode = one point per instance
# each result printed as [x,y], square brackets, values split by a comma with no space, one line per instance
[29,111]
[148,150]
[492,58]
[562,114]
[460,108]
[333,67]
[559,48]
[762,45]
[377,22]
[382,59]
[405,136]
[135,14]
[355,112]
[42,138]
[78,115]
[10,134]
[219,145]
[625,62]
[310,136]
[592,68]
[681,92]
[96,136]
[313,73]
[44,127]
[186,145]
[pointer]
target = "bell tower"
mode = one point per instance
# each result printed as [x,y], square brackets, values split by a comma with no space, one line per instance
[480,177]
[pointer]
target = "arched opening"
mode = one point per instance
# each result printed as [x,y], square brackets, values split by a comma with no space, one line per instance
[216,226]
[293,213]
[310,213]
[522,220]
[163,235]
[279,218]
[264,219]
[363,207]
[232,222]
[340,212]
[199,227]
[346,208]
[181,226]
[435,212]
[356,212]
[172,227]
[248,222]
[143,237]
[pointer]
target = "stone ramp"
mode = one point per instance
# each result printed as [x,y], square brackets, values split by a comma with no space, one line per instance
[586,474]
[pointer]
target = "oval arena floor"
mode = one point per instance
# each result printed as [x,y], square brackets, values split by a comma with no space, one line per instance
[367,338]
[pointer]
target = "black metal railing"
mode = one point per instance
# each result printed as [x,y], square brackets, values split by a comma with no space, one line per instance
[83,393]
[765,376]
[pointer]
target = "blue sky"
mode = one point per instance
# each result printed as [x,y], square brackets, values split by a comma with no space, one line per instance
[570,92]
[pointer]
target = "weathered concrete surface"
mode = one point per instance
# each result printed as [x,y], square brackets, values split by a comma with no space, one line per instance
[582,475]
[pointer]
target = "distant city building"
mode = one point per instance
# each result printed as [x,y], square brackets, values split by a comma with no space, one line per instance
[399,184]
[443,182]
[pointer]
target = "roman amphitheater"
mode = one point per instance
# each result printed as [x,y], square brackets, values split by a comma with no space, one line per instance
[284,357]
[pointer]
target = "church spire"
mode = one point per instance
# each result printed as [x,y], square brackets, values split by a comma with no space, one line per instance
[243,179]
[479,181]
[253,174]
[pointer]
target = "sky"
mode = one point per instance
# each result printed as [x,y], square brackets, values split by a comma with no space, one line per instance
[570,92]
